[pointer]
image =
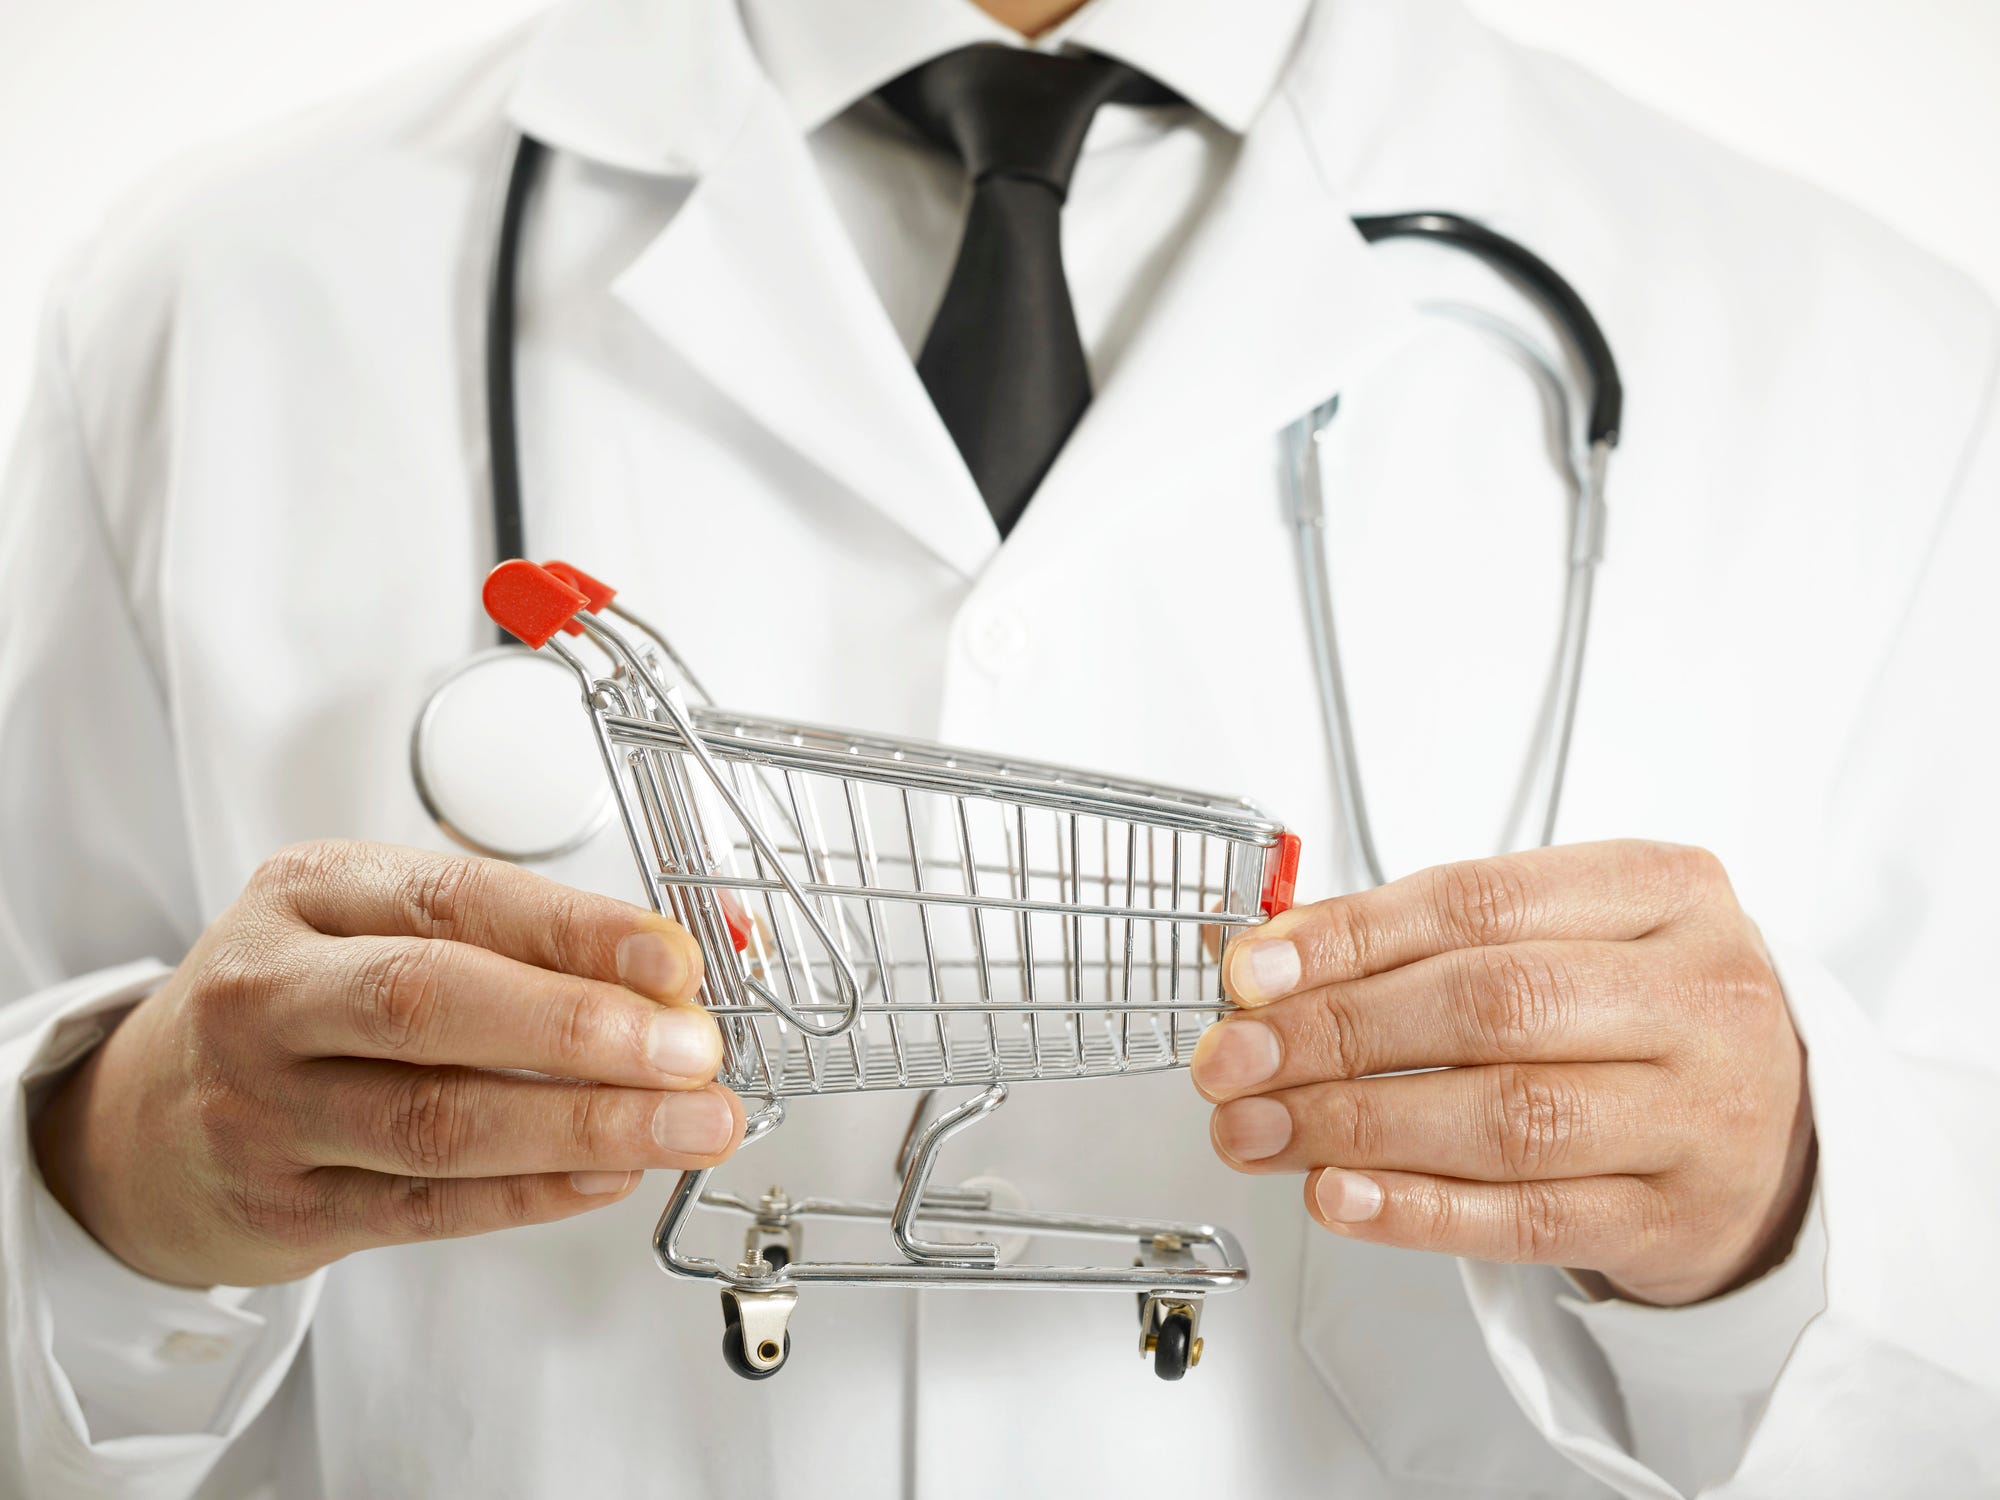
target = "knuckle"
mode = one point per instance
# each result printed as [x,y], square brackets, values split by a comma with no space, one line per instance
[223,1123]
[1341,939]
[237,979]
[1432,1213]
[396,993]
[1359,1131]
[578,1021]
[426,1122]
[521,1200]
[1515,996]
[571,928]
[1333,1047]
[425,1208]
[310,863]
[1726,990]
[1733,1106]
[1743,983]
[1655,1221]
[592,1132]
[438,892]
[1538,1116]
[291,1215]
[1693,873]
[1482,901]
[1542,1221]
[236,973]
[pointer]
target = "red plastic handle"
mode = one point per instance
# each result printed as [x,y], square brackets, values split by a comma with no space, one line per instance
[1281,875]
[599,594]
[529,603]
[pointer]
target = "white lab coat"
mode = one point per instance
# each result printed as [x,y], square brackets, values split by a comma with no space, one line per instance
[244,532]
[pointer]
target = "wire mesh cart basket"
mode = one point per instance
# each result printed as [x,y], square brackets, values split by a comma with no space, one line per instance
[878,913]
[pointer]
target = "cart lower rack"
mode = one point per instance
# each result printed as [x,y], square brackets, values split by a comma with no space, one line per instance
[879,913]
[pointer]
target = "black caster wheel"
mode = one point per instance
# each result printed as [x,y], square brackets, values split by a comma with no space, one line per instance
[1173,1346]
[732,1355]
[732,1347]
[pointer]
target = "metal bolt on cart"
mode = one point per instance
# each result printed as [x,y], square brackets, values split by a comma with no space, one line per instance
[879,913]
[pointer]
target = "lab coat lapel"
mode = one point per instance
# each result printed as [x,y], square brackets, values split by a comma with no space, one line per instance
[756,285]
[1274,303]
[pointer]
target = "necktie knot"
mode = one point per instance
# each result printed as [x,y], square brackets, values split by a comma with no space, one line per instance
[1011,112]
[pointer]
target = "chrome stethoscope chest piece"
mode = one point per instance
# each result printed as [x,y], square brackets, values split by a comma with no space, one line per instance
[503,762]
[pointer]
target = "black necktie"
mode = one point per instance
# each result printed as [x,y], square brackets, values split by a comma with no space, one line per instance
[1003,361]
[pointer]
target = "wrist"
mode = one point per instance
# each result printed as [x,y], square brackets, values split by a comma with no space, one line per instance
[80,1147]
[59,1136]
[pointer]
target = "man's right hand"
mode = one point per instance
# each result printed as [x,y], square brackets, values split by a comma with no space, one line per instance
[377,1045]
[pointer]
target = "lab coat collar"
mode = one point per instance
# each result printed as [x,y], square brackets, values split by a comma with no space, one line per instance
[1401,101]
[654,86]
[753,281]
[1274,304]
[1271,306]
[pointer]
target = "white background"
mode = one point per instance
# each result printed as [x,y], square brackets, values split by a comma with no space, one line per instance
[1896,106]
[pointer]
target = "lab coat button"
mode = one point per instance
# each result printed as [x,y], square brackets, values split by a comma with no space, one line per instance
[997,640]
[183,1348]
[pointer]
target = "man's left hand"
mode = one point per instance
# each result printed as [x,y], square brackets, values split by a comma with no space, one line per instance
[1616,1083]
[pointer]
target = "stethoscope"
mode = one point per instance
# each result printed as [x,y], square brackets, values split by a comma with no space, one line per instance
[533,807]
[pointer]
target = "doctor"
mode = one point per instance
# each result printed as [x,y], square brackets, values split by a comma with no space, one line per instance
[904,408]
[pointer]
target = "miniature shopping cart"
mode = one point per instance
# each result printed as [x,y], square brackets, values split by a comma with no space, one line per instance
[878,913]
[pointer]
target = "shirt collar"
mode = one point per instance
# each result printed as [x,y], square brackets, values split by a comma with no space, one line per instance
[1222,56]
[660,86]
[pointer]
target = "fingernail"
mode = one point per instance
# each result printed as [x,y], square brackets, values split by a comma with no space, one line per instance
[684,1042]
[694,1124]
[597,1184]
[650,964]
[1252,1129]
[1234,1055]
[1264,970]
[1347,1197]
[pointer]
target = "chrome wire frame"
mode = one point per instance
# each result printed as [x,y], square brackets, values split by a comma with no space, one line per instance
[1223,1268]
[907,916]
[882,913]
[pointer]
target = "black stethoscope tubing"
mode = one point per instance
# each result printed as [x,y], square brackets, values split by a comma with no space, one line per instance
[1509,257]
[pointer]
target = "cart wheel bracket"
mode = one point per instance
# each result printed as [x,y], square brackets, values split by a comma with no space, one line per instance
[754,1338]
[1169,1322]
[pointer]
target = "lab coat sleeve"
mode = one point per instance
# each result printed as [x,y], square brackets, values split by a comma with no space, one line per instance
[111,1384]
[1694,1380]
[1895,995]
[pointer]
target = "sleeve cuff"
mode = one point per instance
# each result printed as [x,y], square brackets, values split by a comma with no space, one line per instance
[145,1359]
[110,1371]
[1732,1346]
[1694,1381]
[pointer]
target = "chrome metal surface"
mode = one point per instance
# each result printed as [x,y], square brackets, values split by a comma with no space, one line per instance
[883,913]
[439,801]
[880,913]
[1583,474]
[916,1183]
